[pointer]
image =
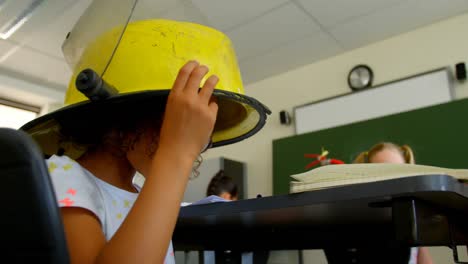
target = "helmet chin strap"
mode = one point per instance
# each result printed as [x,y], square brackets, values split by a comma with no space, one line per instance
[207,146]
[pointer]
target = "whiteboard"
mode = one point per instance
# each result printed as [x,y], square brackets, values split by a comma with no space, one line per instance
[422,90]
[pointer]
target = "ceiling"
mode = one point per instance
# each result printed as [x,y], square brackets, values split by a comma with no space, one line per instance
[270,36]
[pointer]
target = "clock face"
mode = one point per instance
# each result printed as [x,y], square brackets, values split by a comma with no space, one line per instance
[360,77]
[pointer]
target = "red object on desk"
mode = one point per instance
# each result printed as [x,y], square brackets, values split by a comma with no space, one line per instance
[321,159]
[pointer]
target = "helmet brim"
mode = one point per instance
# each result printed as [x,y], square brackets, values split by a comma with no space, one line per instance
[239,117]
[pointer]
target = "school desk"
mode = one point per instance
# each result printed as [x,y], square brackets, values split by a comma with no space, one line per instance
[414,211]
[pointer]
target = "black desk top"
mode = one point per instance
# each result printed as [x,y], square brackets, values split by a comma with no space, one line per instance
[353,215]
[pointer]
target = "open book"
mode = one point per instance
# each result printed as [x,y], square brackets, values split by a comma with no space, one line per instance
[338,175]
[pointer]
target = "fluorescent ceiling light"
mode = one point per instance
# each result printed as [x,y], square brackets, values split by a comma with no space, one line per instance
[17,21]
[2,4]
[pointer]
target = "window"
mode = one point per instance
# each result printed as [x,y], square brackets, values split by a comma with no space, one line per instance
[14,115]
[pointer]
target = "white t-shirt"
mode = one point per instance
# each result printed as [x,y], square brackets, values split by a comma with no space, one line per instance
[77,187]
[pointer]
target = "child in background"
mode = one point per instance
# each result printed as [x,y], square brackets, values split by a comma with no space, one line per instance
[223,186]
[387,152]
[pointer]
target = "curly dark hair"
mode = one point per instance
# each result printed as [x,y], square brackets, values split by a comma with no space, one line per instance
[109,126]
[222,183]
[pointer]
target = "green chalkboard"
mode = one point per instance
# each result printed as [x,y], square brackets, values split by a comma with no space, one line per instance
[438,136]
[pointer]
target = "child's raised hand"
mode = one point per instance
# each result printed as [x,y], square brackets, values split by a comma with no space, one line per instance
[190,115]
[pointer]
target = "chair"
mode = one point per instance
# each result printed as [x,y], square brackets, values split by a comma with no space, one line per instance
[31,226]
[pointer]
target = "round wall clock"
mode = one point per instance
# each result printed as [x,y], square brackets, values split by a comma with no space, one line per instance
[360,77]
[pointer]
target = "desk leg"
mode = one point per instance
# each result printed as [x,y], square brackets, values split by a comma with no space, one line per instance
[418,223]
[201,257]
[367,255]
[228,256]
[455,256]
[454,247]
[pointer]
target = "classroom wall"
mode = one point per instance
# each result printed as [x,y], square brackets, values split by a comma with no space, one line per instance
[438,45]
[441,44]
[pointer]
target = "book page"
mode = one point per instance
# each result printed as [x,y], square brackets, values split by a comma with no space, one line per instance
[378,171]
[296,186]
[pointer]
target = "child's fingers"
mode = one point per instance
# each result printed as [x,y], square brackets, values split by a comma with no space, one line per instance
[193,83]
[184,75]
[208,88]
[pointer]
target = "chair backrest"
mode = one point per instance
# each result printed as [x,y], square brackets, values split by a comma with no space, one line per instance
[30,222]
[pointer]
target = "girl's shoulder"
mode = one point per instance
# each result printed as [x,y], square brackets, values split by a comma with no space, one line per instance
[74,186]
[62,164]
[65,171]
